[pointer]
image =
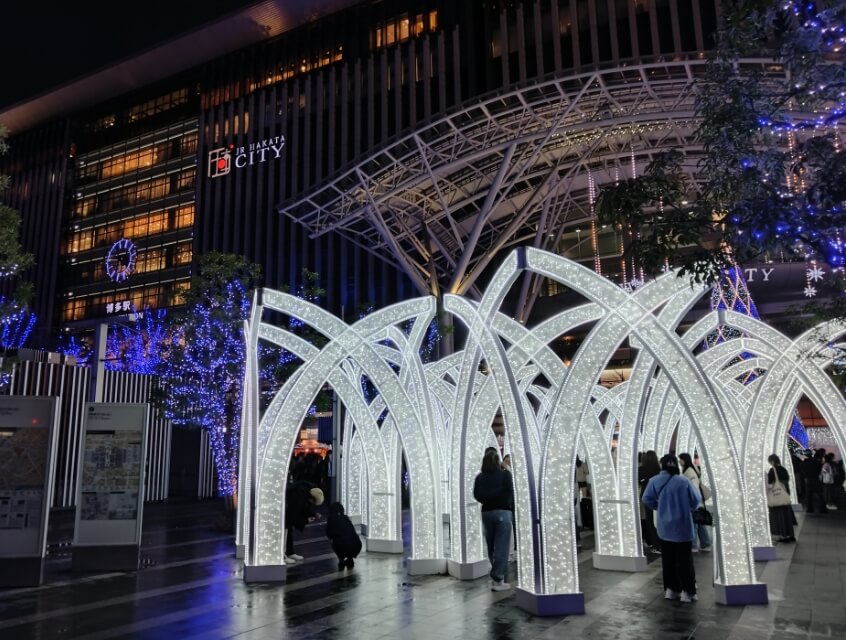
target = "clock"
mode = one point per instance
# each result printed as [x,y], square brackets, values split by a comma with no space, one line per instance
[120,260]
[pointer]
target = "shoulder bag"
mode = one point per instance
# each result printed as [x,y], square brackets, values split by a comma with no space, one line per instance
[702,515]
[777,495]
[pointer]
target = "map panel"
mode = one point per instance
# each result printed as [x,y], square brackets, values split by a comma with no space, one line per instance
[111,474]
[23,461]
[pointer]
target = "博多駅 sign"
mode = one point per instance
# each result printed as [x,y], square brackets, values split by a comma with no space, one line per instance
[224,159]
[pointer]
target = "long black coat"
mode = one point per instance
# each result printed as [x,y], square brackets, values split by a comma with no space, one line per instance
[298,504]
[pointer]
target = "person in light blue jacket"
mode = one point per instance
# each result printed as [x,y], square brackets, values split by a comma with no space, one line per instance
[673,498]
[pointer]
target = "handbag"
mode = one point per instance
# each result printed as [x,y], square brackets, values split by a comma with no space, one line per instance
[702,515]
[777,495]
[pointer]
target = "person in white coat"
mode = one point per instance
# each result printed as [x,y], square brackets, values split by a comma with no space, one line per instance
[689,470]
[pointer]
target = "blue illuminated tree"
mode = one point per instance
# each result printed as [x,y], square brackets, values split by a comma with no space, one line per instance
[81,350]
[141,347]
[16,320]
[204,374]
[15,324]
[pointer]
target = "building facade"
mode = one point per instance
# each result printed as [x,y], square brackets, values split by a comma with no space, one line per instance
[121,196]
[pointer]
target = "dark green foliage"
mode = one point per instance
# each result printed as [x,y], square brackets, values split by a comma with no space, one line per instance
[751,195]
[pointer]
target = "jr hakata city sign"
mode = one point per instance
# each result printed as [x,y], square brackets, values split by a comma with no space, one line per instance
[224,159]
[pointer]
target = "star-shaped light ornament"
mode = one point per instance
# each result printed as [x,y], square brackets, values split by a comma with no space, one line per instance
[815,273]
[810,291]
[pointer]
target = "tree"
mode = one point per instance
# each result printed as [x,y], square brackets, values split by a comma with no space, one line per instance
[13,260]
[141,347]
[204,375]
[771,179]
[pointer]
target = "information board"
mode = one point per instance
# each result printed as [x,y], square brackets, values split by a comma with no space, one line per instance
[27,461]
[110,494]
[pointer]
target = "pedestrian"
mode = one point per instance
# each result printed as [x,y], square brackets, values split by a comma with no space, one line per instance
[494,490]
[689,470]
[345,540]
[811,470]
[300,499]
[827,478]
[782,518]
[648,469]
[673,498]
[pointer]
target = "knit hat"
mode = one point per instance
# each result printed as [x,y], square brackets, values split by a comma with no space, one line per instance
[317,496]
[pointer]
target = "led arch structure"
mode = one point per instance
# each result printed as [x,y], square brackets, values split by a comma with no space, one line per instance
[439,415]
[760,412]
[351,350]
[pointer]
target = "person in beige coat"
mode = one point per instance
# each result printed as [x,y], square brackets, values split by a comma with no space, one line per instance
[703,535]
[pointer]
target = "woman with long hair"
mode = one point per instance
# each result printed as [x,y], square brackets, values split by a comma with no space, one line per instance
[648,469]
[690,472]
[782,518]
[493,489]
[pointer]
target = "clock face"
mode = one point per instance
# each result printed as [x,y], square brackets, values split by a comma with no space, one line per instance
[120,260]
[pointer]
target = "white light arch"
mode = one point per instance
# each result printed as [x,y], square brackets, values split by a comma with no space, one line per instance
[439,414]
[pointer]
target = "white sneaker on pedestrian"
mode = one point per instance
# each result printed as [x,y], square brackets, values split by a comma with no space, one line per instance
[297,557]
[669,594]
[290,560]
[695,550]
[831,507]
[708,548]
[500,585]
[688,597]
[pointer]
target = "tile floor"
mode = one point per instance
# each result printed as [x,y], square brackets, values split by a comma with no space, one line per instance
[190,586]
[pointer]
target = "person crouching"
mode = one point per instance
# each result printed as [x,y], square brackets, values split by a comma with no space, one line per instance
[345,541]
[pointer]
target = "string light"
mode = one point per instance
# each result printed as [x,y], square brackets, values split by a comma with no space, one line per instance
[466,389]
[205,374]
[16,323]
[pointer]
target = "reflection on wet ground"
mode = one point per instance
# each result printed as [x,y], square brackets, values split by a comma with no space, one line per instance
[190,586]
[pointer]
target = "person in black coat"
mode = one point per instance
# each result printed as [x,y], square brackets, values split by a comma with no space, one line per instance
[782,519]
[811,467]
[494,490]
[300,499]
[345,541]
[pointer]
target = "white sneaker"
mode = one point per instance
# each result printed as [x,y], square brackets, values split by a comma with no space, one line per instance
[296,557]
[500,585]
[688,597]
[669,594]
[695,550]
[290,560]
[831,507]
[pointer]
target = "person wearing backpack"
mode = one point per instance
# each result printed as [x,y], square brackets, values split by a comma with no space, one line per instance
[674,498]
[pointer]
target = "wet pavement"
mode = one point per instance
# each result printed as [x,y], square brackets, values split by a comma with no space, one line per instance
[191,586]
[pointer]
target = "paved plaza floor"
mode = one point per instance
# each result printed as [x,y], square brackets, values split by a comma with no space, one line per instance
[191,586]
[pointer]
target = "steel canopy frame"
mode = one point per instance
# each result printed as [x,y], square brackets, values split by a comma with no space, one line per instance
[507,170]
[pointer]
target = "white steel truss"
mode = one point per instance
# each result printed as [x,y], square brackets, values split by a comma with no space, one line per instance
[512,169]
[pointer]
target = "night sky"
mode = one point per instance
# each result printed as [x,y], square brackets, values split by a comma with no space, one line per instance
[46,44]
